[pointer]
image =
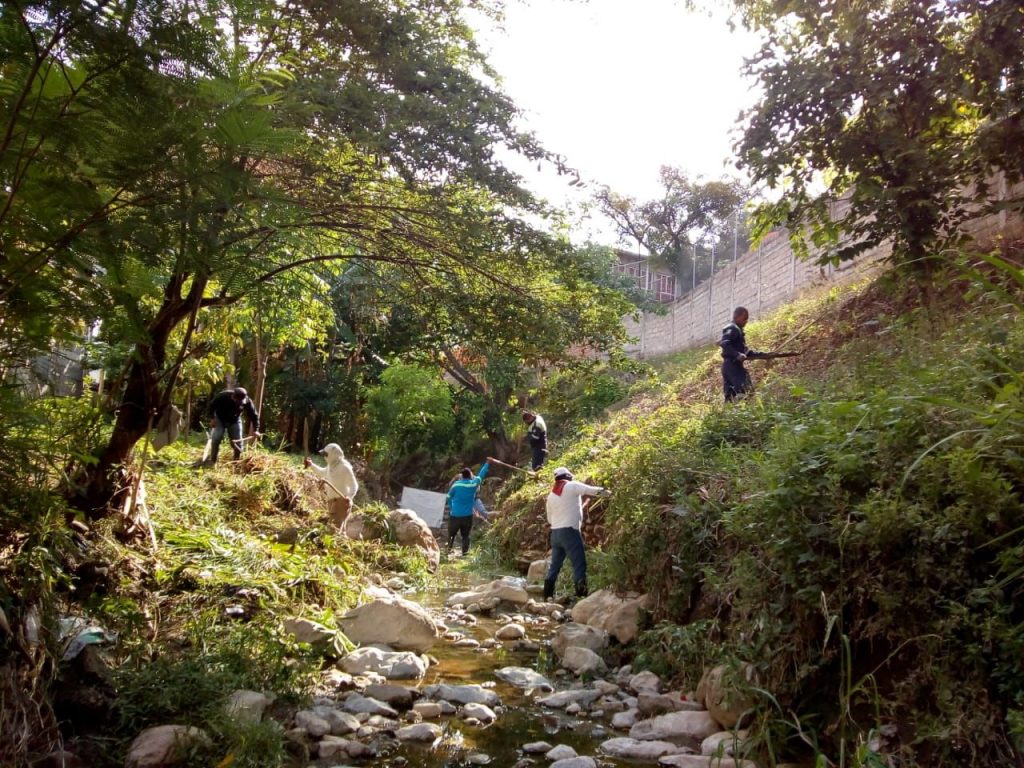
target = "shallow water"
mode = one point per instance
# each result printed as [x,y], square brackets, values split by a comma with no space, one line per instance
[522,722]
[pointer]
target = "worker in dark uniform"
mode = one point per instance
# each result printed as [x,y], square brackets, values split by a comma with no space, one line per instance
[537,437]
[226,410]
[735,379]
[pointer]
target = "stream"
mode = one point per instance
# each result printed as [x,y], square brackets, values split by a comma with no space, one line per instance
[521,719]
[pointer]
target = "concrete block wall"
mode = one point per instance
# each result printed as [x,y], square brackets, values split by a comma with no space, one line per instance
[764,279]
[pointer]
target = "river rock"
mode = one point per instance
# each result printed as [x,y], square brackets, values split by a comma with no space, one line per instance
[583,661]
[462,694]
[644,682]
[247,706]
[561,752]
[480,712]
[507,589]
[341,723]
[580,636]
[633,749]
[723,743]
[657,703]
[392,621]
[688,729]
[393,665]
[511,632]
[428,710]
[358,704]
[538,571]
[312,723]
[703,761]
[412,531]
[419,732]
[162,745]
[394,695]
[625,720]
[365,528]
[726,704]
[332,746]
[618,616]
[549,610]
[575,762]
[536,748]
[562,699]
[466,642]
[524,678]
[306,631]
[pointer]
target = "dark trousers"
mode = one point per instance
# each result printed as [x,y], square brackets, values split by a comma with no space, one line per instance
[234,432]
[540,453]
[735,380]
[457,526]
[568,542]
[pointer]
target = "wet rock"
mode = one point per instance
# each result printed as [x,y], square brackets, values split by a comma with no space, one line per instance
[419,732]
[410,530]
[338,680]
[727,743]
[623,674]
[599,732]
[583,661]
[462,694]
[341,723]
[688,729]
[645,682]
[536,748]
[478,758]
[573,709]
[618,616]
[312,723]
[467,642]
[561,752]
[306,631]
[524,678]
[428,710]
[393,665]
[163,745]
[625,720]
[506,589]
[562,699]
[720,696]
[480,712]
[611,705]
[575,762]
[447,708]
[511,632]
[392,621]
[703,761]
[633,749]
[247,706]
[397,696]
[358,704]
[526,646]
[333,746]
[657,703]
[574,635]
[538,571]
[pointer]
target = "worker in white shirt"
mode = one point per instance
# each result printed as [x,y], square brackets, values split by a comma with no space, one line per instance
[340,479]
[565,516]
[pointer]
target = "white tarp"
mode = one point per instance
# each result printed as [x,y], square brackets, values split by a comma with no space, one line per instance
[427,504]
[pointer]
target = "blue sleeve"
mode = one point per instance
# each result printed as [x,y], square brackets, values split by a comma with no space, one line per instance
[451,493]
[483,471]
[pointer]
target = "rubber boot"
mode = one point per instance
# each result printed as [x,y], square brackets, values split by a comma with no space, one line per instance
[581,588]
[549,589]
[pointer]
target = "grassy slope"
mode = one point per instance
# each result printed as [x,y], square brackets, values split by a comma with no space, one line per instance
[854,531]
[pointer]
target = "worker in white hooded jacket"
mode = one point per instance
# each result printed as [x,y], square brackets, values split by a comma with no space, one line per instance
[565,516]
[341,483]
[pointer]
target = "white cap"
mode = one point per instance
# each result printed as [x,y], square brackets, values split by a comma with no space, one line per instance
[561,472]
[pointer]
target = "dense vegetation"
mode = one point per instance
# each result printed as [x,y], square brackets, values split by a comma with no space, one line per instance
[854,531]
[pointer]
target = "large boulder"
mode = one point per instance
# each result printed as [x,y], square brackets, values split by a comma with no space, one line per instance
[247,706]
[412,531]
[719,694]
[393,665]
[163,745]
[580,636]
[633,749]
[688,729]
[365,527]
[618,616]
[391,621]
[583,661]
[538,571]
[508,589]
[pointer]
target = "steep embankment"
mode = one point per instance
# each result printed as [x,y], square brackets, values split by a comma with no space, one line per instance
[855,532]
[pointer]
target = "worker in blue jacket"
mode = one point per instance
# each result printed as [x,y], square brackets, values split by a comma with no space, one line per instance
[461,499]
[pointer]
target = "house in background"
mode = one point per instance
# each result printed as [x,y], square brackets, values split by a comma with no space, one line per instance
[660,284]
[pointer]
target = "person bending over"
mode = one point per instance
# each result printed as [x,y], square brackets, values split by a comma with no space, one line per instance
[461,499]
[226,410]
[565,516]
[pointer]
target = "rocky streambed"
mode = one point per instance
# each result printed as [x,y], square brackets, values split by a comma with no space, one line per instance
[489,675]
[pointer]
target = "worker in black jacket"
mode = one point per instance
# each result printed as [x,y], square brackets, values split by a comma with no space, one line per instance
[226,410]
[735,379]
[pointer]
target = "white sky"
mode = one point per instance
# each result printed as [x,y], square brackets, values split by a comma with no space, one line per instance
[621,87]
